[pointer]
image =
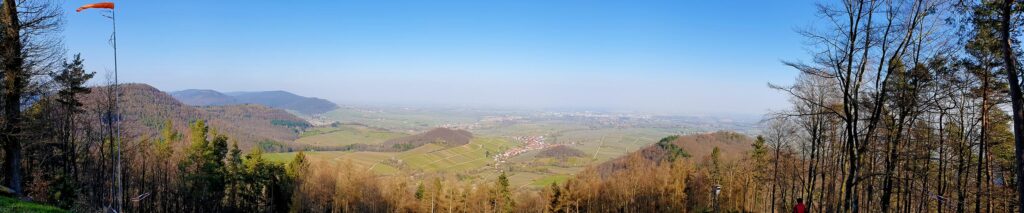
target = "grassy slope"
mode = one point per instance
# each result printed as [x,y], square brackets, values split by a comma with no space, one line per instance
[12,205]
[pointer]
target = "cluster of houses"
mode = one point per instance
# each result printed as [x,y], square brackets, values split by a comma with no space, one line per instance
[530,143]
[462,126]
[485,122]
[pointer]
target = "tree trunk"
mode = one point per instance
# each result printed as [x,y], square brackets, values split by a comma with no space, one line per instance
[1010,61]
[775,176]
[13,84]
[981,143]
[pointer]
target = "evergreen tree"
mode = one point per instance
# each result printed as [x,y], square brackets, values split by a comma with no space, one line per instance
[554,196]
[298,165]
[70,83]
[419,191]
[503,196]
[203,168]
[235,177]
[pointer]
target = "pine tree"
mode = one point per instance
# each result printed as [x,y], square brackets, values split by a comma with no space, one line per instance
[203,168]
[554,196]
[235,177]
[298,165]
[503,196]
[420,191]
[70,83]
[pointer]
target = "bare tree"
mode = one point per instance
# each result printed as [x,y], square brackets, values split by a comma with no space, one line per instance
[778,136]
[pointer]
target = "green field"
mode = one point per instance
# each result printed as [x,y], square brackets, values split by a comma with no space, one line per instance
[462,158]
[548,180]
[404,120]
[346,134]
[12,205]
[606,144]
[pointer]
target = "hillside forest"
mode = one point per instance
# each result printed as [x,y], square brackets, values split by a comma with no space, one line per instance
[899,106]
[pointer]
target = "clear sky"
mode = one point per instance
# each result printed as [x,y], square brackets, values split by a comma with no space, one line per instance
[689,57]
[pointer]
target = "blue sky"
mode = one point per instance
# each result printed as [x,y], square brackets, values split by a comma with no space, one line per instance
[684,57]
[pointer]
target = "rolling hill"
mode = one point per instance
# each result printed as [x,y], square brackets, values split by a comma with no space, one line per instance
[145,109]
[697,146]
[275,99]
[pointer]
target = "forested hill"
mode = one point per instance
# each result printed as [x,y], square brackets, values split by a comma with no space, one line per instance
[145,110]
[276,99]
[732,147]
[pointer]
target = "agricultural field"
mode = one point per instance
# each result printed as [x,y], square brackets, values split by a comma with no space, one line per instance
[476,154]
[405,120]
[606,144]
[427,158]
[599,137]
[346,134]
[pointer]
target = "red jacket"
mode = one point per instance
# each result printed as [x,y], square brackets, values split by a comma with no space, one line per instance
[799,208]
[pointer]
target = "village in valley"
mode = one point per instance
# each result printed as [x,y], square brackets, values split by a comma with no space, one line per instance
[528,143]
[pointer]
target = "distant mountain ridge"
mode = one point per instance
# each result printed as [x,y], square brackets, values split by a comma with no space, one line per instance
[275,99]
[203,97]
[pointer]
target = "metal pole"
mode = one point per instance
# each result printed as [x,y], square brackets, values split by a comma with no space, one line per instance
[117,114]
[716,189]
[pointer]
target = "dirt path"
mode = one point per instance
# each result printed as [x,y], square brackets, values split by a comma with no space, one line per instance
[599,148]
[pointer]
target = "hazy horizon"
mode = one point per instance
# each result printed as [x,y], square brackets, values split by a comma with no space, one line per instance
[652,56]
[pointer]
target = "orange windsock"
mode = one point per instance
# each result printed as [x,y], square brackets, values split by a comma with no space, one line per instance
[101,5]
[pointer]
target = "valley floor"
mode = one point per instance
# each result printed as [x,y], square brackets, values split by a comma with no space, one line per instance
[511,148]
